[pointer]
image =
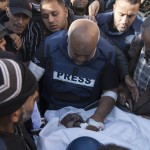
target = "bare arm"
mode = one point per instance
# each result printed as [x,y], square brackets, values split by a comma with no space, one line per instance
[105,106]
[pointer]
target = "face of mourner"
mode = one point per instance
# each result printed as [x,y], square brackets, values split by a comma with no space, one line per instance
[27,108]
[17,22]
[124,14]
[54,16]
[79,4]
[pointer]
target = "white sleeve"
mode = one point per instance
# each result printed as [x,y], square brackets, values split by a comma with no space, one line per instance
[36,70]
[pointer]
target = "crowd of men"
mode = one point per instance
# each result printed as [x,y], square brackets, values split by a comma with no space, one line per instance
[79,53]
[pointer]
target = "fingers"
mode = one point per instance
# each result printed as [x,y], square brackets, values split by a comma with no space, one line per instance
[2,48]
[92,128]
[92,18]
[2,44]
[17,41]
[135,93]
[122,98]
[130,104]
[132,88]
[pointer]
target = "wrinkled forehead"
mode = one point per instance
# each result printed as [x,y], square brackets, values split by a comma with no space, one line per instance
[126,9]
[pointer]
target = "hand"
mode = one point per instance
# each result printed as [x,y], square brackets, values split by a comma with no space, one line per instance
[124,97]
[92,18]
[2,44]
[92,128]
[94,125]
[17,41]
[94,8]
[131,85]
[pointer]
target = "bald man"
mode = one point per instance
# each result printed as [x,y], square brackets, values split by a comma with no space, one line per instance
[79,69]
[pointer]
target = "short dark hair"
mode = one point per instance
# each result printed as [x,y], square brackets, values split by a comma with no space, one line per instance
[131,1]
[61,2]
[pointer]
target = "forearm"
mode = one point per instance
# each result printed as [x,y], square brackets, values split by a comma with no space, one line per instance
[106,104]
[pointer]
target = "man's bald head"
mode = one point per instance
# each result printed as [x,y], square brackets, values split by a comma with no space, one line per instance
[84,29]
[83,36]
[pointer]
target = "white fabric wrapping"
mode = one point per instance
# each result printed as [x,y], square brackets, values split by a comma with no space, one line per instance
[121,128]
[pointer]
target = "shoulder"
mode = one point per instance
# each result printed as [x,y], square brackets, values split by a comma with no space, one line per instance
[55,40]
[105,46]
[107,50]
[7,54]
[56,36]
[101,18]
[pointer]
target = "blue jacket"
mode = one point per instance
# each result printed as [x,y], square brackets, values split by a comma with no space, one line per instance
[68,84]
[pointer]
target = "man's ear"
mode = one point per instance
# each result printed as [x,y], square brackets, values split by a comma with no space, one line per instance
[16,116]
[66,11]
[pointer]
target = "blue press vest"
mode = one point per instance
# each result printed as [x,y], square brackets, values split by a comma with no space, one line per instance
[66,83]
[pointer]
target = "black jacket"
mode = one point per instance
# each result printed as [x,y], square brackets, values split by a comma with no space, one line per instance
[19,140]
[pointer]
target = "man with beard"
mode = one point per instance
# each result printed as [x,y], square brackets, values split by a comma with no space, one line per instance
[17,97]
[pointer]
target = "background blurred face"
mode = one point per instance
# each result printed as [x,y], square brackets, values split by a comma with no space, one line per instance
[17,22]
[124,14]
[54,16]
[27,108]
[146,39]
[3,4]
[79,4]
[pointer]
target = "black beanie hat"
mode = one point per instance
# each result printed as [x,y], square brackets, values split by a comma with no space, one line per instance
[17,83]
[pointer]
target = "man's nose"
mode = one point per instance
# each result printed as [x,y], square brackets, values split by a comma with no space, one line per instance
[51,18]
[124,19]
[20,20]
